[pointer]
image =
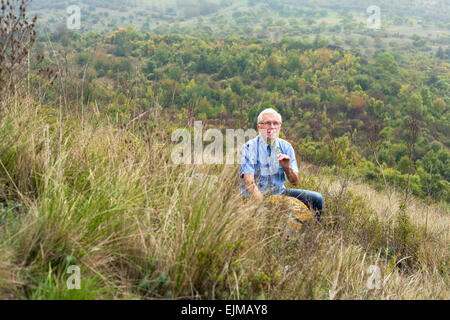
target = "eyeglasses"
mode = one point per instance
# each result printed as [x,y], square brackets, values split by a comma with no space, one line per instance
[268,124]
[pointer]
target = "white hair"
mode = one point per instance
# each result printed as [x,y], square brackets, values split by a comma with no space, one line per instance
[266,111]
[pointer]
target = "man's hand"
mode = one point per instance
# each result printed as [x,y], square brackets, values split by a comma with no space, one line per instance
[285,161]
[258,196]
[251,187]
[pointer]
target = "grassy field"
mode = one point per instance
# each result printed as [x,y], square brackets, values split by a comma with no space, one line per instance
[81,189]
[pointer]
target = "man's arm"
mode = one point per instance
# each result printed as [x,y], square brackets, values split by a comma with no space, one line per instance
[251,187]
[247,170]
[292,176]
[285,164]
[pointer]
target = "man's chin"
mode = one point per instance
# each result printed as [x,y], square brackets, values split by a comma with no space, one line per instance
[269,139]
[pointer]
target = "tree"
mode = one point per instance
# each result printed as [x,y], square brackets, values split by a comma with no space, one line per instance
[204,109]
[323,56]
[384,66]
[440,53]
[149,67]
[273,67]
[357,103]
[403,165]
[236,85]
[162,54]
[415,107]
[415,113]
[439,106]
[293,63]
[174,72]
[170,91]
[374,141]
[123,39]
[363,80]
[426,96]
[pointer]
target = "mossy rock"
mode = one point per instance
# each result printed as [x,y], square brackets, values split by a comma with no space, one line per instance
[299,212]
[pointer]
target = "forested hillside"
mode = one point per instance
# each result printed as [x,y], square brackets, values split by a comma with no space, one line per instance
[421,27]
[92,205]
[338,107]
[344,89]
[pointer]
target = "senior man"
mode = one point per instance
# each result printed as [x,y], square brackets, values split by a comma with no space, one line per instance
[266,162]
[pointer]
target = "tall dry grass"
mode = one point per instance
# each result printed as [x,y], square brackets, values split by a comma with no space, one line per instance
[108,199]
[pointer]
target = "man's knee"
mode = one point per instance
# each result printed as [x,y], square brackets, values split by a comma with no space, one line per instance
[319,199]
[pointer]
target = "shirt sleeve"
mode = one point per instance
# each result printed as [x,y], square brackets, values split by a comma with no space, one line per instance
[246,165]
[293,164]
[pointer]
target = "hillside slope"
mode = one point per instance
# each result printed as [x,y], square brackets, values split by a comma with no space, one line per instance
[87,192]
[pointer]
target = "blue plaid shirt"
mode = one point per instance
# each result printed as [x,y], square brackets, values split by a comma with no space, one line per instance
[260,160]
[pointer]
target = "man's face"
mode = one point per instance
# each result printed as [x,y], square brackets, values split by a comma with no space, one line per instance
[269,127]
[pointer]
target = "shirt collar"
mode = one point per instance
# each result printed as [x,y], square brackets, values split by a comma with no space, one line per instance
[264,144]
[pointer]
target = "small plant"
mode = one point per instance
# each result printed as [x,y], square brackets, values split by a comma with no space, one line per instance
[52,286]
[17,36]
[7,210]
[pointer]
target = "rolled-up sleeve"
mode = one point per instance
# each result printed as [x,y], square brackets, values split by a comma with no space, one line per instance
[293,162]
[247,166]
